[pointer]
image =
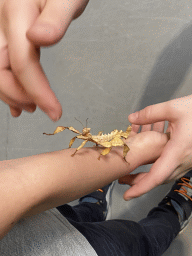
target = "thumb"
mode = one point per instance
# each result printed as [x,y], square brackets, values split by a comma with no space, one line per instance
[151,114]
[54,20]
[161,170]
[132,179]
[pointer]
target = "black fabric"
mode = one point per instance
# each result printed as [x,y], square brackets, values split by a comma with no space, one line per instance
[150,237]
[185,203]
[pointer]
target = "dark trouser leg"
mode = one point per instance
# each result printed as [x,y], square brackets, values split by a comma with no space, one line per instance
[189,174]
[160,228]
[84,212]
[151,236]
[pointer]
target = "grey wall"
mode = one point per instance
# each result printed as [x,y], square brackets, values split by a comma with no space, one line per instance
[119,56]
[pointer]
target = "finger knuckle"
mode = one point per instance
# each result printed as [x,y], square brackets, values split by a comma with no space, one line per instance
[147,112]
[19,68]
[52,34]
[19,63]
[158,181]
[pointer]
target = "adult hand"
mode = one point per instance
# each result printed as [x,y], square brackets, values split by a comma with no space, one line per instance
[25,26]
[176,157]
[146,146]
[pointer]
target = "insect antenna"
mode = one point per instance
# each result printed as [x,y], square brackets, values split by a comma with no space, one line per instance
[86,121]
[80,122]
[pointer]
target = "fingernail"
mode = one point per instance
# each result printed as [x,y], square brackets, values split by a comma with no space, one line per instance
[30,110]
[134,116]
[128,198]
[54,116]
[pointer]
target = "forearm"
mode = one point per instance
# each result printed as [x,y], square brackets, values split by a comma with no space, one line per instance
[34,184]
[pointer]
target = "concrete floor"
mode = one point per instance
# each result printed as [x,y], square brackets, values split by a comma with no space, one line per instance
[119,56]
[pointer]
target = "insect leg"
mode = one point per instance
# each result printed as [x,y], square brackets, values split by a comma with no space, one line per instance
[124,135]
[57,130]
[82,144]
[96,146]
[125,151]
[71,141]
[127,133]
[70,128]
[62,128]
[105,152]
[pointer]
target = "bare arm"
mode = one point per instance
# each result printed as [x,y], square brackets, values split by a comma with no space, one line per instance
[34,184]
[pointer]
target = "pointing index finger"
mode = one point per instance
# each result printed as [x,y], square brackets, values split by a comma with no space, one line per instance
[24,57]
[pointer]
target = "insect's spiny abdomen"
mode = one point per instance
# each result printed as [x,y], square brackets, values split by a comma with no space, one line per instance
[105,137]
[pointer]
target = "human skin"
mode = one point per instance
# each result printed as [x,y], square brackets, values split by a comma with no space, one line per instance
[176,158]
[37,183]
[26,26]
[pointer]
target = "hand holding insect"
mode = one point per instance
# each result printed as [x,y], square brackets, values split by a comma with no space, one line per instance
[148,145]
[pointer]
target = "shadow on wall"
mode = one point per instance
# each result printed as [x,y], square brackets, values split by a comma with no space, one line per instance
[169,70]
